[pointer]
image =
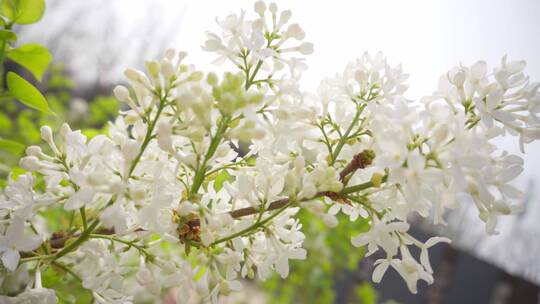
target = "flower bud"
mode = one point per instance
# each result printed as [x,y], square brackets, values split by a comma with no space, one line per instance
[137,76]
[196,76]
[33,151]
[296,32]
[459,78]
[376,179]
[46,134]
[284,17]
[30,163]
[121,93]
[153,68]
[225,288]
[273,8]
[170,53]
[260,7]
[167,69]
[64,130]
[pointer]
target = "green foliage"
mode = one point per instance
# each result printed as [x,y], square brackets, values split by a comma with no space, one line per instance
[67,289]
[231,93]
[20,125]
[26,93]
[6,35]
[102,109]
[329,256]
[23,11]
[222,177]
[366,294]
[34,57]
[11,146]
[58,219]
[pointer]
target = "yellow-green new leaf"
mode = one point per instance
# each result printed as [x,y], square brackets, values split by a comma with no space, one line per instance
[23,11]
[26,93]
[11,146]
[34,57]
[6,35]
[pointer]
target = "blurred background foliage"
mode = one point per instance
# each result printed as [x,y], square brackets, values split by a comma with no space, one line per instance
[321,278]
[19,124]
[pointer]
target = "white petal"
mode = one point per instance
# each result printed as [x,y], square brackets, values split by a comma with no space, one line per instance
[360,240]
[436,239]
[424,260]
[379,271]
[282,267]
[10,259]
[28,243]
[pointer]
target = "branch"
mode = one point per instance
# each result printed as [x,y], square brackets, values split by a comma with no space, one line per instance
[359,161]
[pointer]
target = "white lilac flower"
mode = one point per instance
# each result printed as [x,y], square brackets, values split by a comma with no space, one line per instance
[14,241]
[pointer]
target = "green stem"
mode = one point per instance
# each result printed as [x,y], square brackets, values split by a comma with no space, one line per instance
[343,139]
[128,243]
[214,143]
[66,269]
[148,137]
[83,218]
[250,81]
[360,187]
[36,258]
[82,238]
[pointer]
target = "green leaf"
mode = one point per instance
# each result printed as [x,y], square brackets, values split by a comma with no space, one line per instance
[5,124]
[7,35]
[25,92]
[23,11]
[16,171]
[11,146]
[34,57]
[220,179]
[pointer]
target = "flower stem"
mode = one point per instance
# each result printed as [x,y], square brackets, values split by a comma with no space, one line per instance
[214,143]
[148,136]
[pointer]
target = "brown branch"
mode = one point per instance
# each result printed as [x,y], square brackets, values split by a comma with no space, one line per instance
[59,239]
[359,161]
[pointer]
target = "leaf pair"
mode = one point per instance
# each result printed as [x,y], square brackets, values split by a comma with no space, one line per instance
[34,57]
